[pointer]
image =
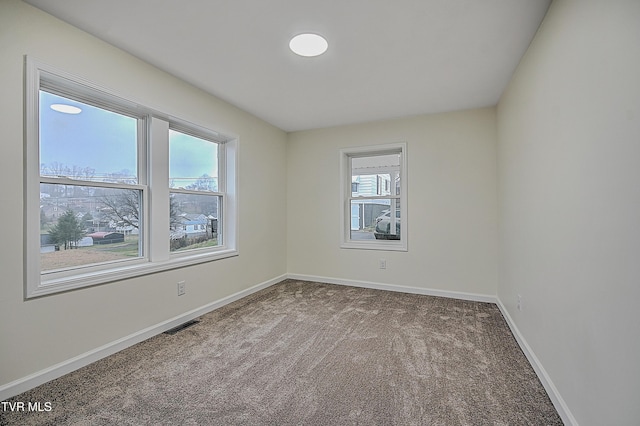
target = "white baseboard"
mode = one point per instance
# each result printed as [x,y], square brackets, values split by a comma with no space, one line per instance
[40,377]
[398,288]
[552,391]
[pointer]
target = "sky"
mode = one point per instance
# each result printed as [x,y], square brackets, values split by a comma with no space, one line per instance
[107,142]
[190,157]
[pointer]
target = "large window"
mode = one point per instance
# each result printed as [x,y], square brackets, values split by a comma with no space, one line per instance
[102,202]
[91,186]
[374,197]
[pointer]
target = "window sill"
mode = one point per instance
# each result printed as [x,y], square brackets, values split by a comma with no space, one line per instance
[374,245]
[130,270]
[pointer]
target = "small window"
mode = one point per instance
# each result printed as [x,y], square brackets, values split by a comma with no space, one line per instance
[374,215]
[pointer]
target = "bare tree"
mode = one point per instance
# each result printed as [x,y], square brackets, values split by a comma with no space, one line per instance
[57,169]
[174,220]
[204,183]
[123,207]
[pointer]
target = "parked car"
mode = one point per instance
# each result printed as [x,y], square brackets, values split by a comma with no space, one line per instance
[383,226]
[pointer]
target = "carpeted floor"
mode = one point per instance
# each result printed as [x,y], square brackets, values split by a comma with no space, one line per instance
[301,353]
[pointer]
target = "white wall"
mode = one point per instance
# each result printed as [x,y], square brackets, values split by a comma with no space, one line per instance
[39,333]
[452,203]
[569,186]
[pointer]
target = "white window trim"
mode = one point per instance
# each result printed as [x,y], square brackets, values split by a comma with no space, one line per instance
[345,193]
[154,183]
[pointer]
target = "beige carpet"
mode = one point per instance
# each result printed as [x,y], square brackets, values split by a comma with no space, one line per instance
[301,353]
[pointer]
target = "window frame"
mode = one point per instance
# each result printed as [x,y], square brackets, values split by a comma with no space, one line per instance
[153,182]
[346,155]
[211,137]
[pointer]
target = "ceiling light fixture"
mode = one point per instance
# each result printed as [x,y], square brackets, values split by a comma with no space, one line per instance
[308,44]
[66,109]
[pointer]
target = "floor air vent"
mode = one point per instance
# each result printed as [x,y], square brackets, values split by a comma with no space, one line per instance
[181,327]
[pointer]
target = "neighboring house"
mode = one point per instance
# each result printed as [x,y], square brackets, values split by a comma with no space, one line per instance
[192,225]
[125,229]
[378,177]
[52,211]
[364,213]
[107,237]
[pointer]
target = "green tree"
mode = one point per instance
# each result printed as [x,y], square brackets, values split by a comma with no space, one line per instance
[68,231]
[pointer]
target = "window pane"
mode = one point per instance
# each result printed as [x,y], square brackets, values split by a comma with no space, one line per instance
[388,225]
[375,175]
[371,219]
[193,162]
[194,221]
[86,142]
[84,225]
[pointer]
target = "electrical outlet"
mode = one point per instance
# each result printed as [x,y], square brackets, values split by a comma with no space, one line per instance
[181,288]
[383,264]
[519,302]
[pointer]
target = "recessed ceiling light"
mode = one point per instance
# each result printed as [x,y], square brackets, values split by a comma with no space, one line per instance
[66,109]
[308,45]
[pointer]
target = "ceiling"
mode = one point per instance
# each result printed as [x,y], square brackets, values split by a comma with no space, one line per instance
[386,59]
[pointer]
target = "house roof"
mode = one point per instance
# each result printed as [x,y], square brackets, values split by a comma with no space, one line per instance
[102,234]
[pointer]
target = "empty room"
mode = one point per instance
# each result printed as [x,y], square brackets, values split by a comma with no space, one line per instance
[325,213]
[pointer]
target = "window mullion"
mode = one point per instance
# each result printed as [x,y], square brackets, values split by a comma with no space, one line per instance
[159,191]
